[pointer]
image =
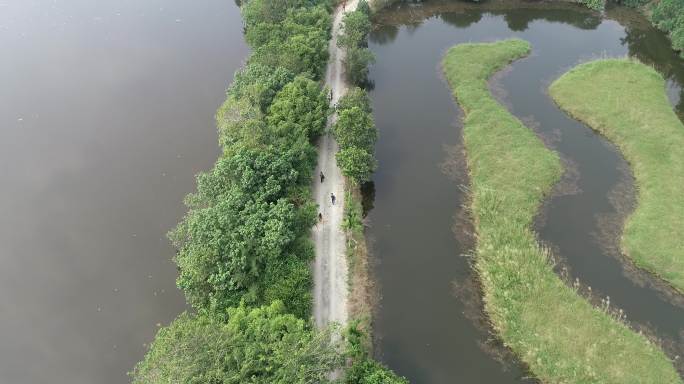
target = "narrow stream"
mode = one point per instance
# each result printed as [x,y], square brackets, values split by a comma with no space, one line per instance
[428,326]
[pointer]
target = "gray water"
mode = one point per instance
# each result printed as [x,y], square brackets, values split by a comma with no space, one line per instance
[106,114]
[429,325]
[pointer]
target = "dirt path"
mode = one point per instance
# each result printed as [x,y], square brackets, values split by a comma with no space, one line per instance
[330,266]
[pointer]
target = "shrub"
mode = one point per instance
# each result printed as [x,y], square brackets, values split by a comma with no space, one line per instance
[356,134]
[371,372]
[666,14]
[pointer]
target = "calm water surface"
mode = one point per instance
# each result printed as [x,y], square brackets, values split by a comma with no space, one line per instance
[427,325]
[106,113]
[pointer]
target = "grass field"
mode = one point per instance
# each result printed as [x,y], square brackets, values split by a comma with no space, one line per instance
[626,101]
[559,335]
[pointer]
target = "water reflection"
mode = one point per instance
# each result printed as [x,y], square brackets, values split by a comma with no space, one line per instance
[423,328]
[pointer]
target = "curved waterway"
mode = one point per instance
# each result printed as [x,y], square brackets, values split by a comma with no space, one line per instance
[428,324]
[106,114]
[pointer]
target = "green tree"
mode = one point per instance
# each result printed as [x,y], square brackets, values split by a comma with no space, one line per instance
[668,15]
[268,11]
[223,249]
[239,121]
[256,173]
[300,110]
[300,21]
[355,97]
[259,84]
[355,29]
[254,346]
[245,236]
[356,163]
[356,63]
[355,128]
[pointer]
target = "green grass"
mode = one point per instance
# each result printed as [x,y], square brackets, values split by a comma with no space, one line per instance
[626,101]
[558,334]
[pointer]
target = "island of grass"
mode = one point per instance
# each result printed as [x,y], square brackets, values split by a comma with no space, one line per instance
[558,334]
[626,101]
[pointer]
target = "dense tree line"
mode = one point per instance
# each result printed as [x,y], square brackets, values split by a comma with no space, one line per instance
[243,248]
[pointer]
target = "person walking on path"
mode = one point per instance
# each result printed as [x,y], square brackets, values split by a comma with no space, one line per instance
[322,176]
[332,198]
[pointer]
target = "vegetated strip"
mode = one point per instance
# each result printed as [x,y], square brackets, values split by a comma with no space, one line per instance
[559,335]
[626,101]
[356,134]
[244,249]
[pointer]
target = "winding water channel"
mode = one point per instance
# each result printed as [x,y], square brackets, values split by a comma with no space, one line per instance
[106,114]
[428,325]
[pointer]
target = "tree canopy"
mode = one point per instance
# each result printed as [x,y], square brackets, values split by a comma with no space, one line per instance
[241,224]
[356,26]
[299,110]
[258,84]
[254,346]
[356,134]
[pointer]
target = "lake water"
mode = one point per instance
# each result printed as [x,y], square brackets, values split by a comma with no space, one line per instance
[106,114]
[428,325]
